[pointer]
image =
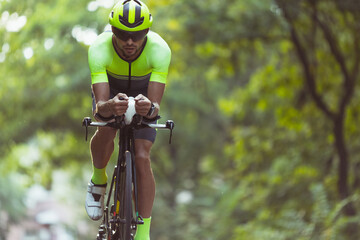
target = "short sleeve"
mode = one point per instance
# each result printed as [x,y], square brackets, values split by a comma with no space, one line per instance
[99,58]
[160,61]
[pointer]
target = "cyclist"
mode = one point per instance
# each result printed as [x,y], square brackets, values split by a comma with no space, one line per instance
[129,60]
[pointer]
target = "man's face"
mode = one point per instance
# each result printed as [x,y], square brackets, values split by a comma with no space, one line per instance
[129,47]
[129,43]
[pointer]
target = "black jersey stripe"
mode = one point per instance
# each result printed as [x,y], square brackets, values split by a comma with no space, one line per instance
[126,77]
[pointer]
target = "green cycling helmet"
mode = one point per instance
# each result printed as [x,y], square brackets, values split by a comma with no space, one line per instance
[130,15]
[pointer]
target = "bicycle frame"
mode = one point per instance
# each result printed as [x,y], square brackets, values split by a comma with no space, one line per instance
[126,143]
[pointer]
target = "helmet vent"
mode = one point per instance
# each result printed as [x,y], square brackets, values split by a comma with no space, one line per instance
[125,18]
[126,1]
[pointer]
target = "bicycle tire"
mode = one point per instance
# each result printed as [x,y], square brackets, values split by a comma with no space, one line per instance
[126,201]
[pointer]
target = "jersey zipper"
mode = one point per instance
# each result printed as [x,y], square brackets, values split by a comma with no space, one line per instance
[129,80]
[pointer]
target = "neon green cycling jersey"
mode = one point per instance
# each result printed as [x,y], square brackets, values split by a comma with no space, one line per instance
[127,77]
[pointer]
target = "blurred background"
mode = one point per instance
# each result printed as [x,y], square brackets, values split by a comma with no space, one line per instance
[264,94]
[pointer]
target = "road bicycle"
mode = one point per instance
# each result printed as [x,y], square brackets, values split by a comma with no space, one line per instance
[121,218]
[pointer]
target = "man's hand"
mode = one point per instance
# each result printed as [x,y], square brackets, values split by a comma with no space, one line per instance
[142,105]
[119,104]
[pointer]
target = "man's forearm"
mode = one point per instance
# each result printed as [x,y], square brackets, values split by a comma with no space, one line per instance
[102,108]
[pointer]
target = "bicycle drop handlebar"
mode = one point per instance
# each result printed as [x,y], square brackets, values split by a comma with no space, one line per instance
[137,123]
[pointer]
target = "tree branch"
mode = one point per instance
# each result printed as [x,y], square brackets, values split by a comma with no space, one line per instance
[301,52]
[349,82]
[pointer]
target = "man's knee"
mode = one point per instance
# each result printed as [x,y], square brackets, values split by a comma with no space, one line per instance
[142,156]
[143,162]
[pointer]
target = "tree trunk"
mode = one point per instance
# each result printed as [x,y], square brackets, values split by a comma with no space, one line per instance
[343,168]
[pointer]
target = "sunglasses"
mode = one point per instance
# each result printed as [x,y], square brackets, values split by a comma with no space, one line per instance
[126,35]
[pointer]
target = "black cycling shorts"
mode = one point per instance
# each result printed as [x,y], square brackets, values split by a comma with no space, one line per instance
[145,133]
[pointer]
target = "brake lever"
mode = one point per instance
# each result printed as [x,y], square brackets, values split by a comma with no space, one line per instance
[170,125]
[86,122]
[170,136]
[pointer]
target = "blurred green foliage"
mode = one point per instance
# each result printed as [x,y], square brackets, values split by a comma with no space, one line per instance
[254,154]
